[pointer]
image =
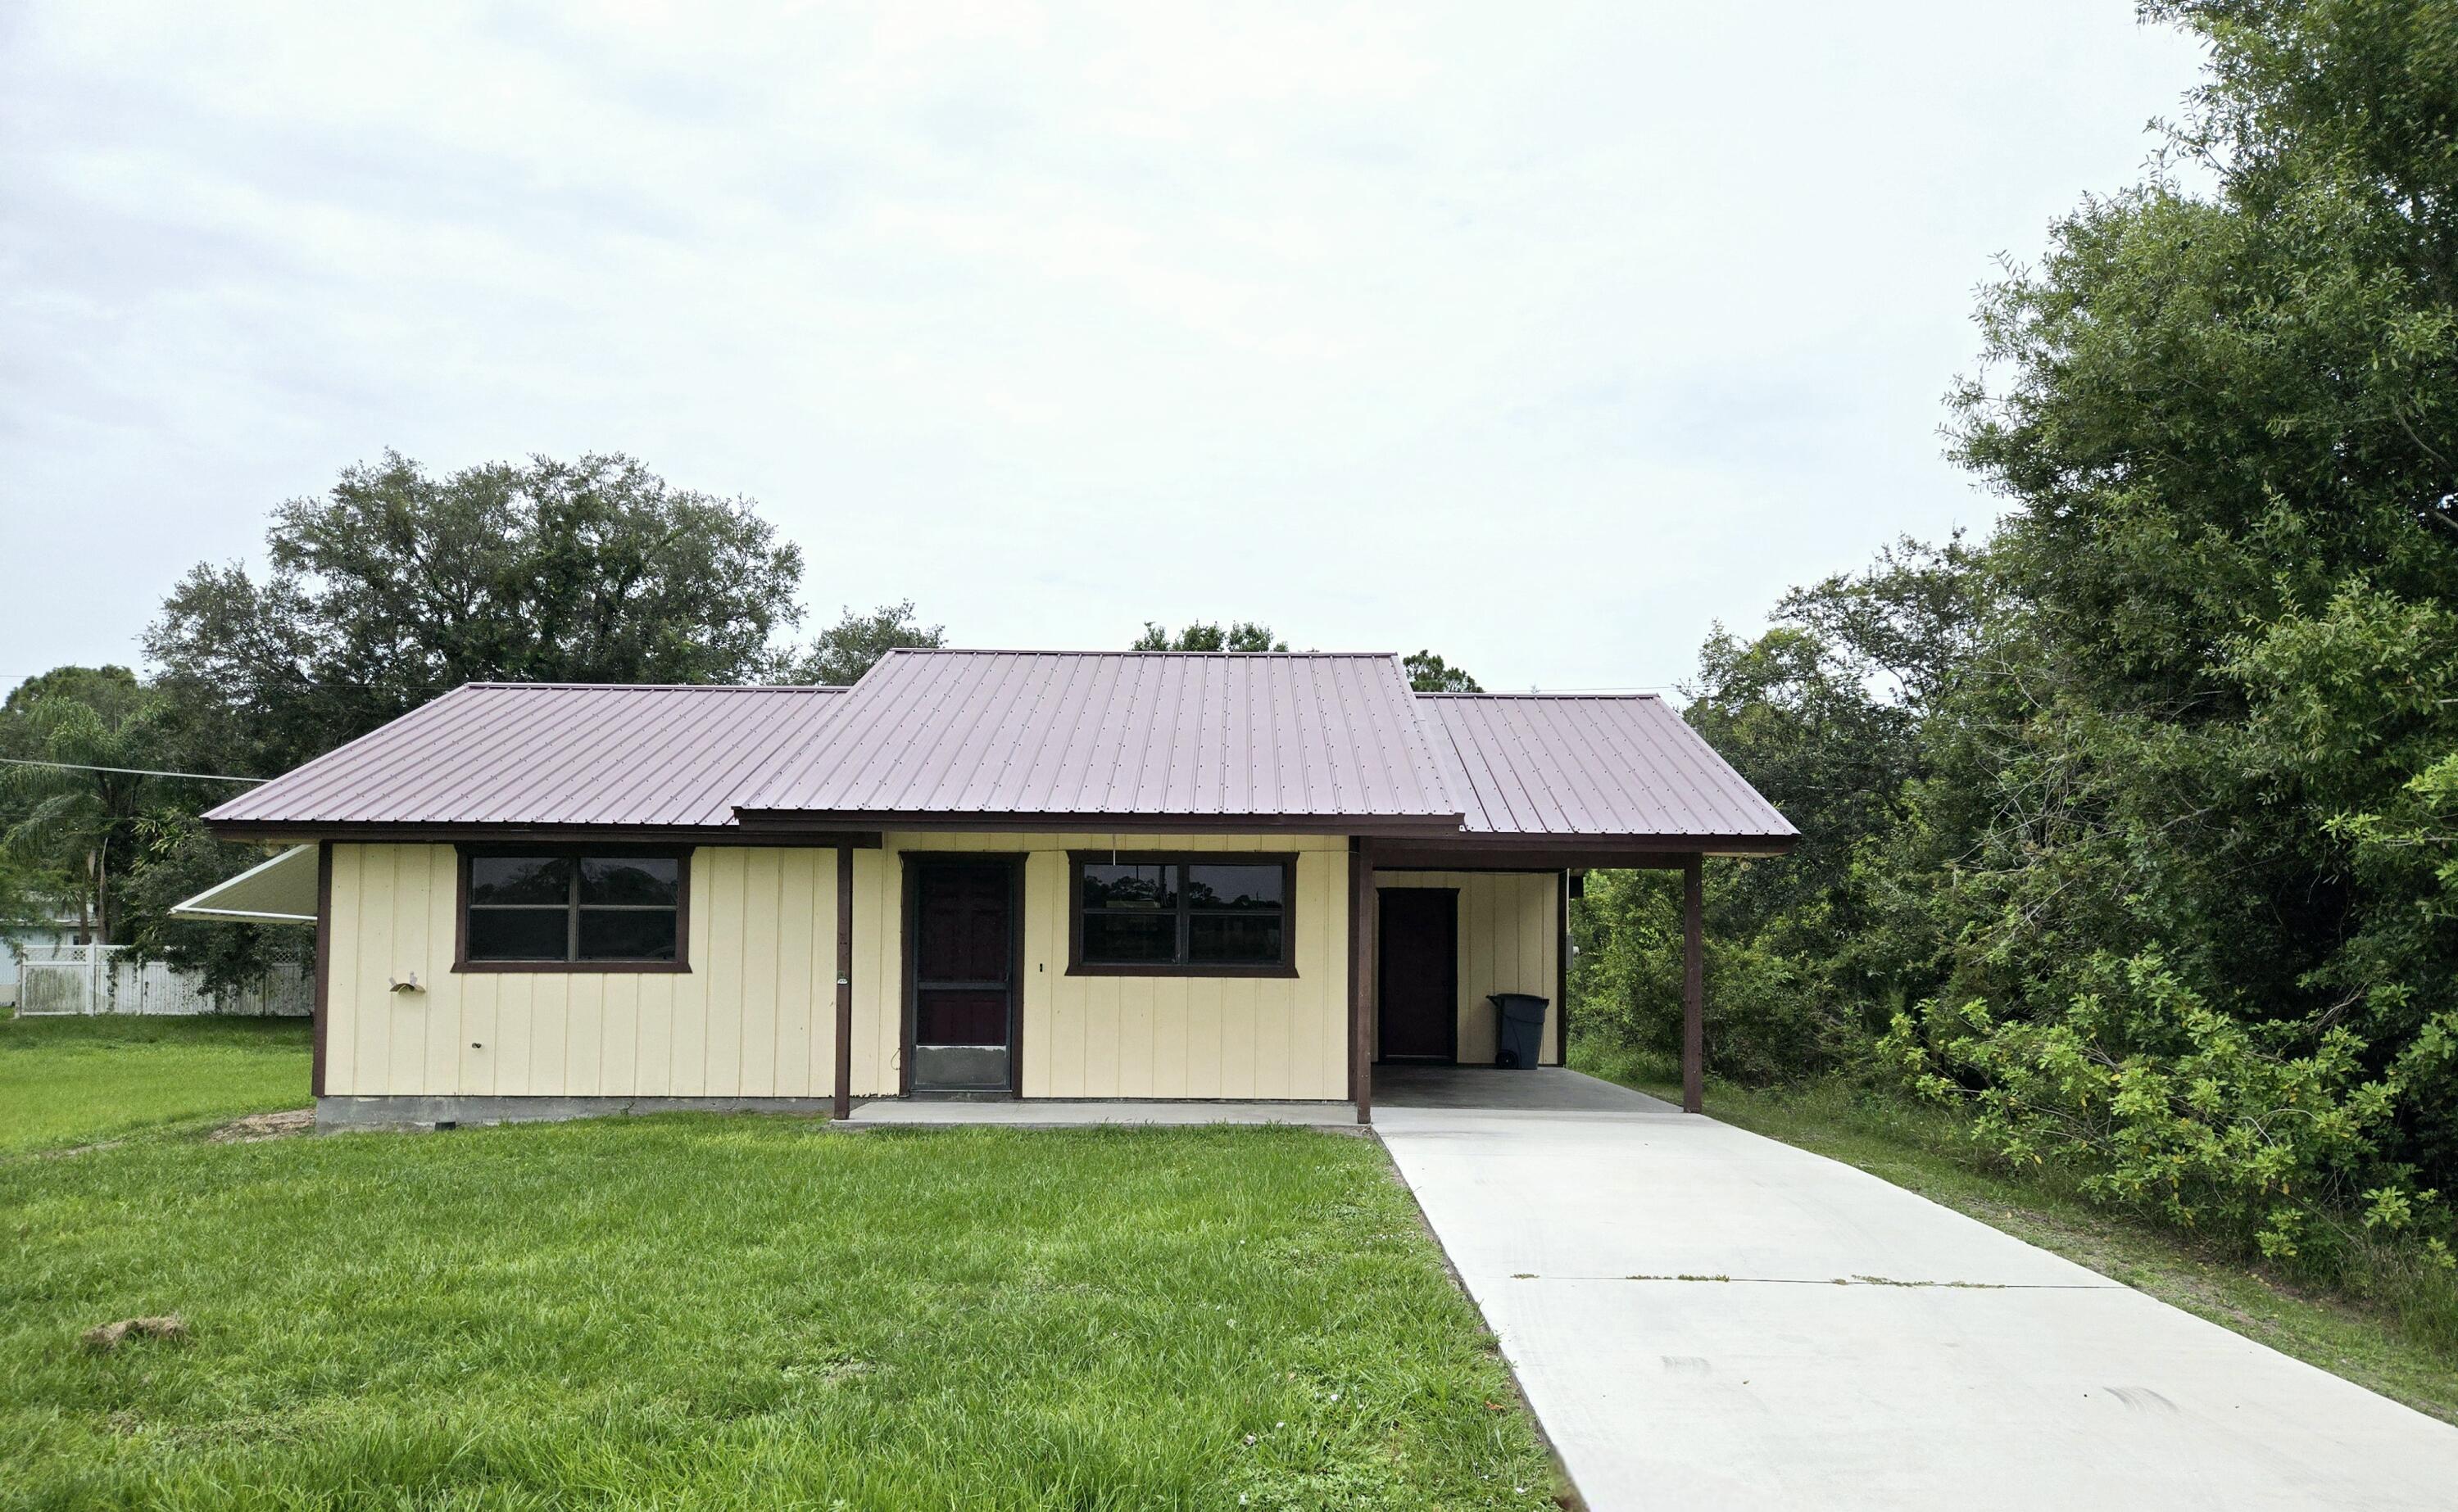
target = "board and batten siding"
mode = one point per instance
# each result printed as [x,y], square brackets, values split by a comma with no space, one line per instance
[1509,940]
[1282,1038]
[754,1016]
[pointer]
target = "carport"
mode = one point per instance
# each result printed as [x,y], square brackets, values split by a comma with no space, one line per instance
[1423,973]
[1551,786]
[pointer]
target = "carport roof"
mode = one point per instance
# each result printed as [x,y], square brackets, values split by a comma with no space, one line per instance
[1597,766]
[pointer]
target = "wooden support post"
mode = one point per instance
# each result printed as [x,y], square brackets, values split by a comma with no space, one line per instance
[322,1028]
[843,1107]
[1693,986]
[1361,958]
[1562,968]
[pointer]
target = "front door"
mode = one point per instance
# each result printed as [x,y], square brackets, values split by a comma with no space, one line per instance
[1416,975]
[964,976]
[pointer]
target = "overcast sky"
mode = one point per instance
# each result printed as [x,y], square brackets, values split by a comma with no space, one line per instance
[1543,336]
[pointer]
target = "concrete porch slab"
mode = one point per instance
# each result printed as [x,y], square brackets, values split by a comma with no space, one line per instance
[1535,1088]
[1060,1113]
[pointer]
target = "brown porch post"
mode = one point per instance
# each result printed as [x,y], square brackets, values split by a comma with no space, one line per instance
[1562,968]
[843,1104]
[1693,986]
[322,1028]
[1361,933]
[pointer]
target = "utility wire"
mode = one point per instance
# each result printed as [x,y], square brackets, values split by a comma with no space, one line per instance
[133,772]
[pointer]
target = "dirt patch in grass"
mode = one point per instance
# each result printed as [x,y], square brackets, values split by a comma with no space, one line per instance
[108,1336]
[256,1128]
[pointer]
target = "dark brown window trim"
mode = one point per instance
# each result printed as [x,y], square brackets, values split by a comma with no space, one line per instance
[1078,966]
[681,964]
[1097,968]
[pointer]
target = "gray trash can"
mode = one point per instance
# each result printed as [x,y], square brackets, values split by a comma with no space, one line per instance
[1519,1024]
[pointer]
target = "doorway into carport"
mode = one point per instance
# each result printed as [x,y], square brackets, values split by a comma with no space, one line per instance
[1417,975]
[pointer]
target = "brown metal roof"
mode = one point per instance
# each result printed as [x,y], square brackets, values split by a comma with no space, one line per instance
[550,754]
[1332,742]
[935,735]
[1607,766]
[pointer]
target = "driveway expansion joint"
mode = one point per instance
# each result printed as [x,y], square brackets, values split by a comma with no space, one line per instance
[1847,1280]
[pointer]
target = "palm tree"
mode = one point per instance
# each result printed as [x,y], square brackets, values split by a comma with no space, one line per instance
[73,820]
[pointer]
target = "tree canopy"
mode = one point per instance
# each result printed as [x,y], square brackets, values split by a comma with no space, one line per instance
[392,588]
[2134,828]
[1204,636]
[1428,673]
[840,654]
[398,585]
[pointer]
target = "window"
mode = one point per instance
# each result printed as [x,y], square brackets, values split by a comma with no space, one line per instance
[1183,915]
[572,911]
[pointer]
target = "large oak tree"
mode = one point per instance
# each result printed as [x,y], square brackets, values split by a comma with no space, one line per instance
[398,585]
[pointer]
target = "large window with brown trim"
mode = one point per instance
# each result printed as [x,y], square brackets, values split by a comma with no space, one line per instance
[1182,915]
[571,910]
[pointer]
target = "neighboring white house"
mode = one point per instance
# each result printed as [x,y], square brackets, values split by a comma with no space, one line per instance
[32,939]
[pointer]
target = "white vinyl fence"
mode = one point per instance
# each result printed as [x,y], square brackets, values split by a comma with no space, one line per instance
[106,979]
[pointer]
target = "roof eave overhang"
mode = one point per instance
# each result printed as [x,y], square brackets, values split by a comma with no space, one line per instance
[440,831]
[1402,841]
[1548,853]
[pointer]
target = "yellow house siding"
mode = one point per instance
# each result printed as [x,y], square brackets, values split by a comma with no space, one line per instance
[754,1016]
[1509,940]
[1100,1036]
[878,974]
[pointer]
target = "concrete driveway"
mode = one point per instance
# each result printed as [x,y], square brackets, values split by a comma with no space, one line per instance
[1706,1318]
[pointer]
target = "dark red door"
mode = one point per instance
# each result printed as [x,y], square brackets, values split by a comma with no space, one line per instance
[963,988]
[1416,974]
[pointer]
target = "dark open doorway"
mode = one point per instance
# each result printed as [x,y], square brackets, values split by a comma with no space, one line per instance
[1417,975]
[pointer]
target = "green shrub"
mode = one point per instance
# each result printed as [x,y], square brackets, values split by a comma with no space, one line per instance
[2162,1104]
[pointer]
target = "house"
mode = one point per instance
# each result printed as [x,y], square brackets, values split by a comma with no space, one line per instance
[42,937]
[1039,874]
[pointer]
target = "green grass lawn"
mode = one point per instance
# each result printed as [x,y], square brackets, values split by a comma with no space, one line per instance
[2392,1327]
[81,1081]
[695,1311]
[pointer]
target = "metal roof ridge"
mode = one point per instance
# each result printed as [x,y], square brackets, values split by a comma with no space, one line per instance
[658,686]
[1426,756]
[1456,769]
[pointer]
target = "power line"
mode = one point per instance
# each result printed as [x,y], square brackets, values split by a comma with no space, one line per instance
[133,772]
